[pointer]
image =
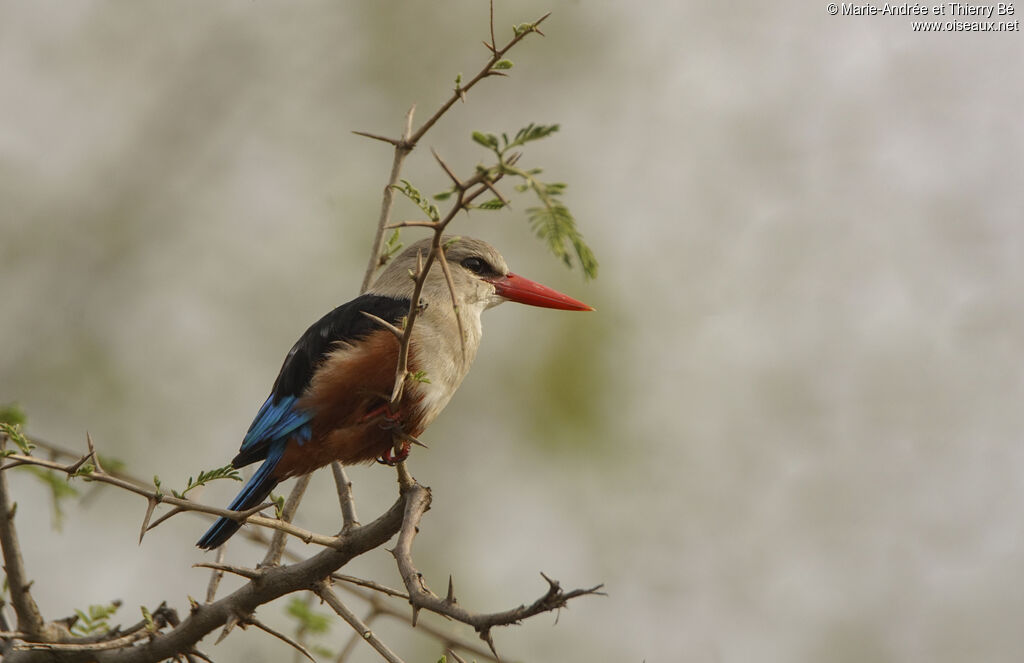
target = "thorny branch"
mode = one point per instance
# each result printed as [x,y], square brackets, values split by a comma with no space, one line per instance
[30,620]
[156,497]
[331,599]
[421,598]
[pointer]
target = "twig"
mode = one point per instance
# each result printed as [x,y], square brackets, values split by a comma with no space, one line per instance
[486,71]
[250,574]
[215,577]
[255,535]
[331,599]
[403,147]
[281,636]
[411,224]
[407,143]
[494,41]
[384,323]
[291,505]
[354,639]
[455,301]
[458,659]
[369,584]
[247,516]
[380,607]
[346,500]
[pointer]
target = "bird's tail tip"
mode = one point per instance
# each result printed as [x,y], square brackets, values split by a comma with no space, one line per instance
[253,493]
[221,531]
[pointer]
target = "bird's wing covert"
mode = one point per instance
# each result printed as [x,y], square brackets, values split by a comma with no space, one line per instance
[279,418]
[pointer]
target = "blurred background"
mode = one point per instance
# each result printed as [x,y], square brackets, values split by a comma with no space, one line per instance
[790,432]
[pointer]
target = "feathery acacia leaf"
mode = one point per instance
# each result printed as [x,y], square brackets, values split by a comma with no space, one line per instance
[493,203]
[413,194]
[12,414]
[94,619]
[308,619]
[60,490]
[13,433]
[551,221]
[555,225]
[206,476]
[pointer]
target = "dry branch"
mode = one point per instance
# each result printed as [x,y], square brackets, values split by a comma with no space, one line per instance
[30,620]
[421,598]
[331,599]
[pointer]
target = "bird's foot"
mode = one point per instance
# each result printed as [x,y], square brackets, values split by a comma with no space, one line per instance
[389,457]
[388,418]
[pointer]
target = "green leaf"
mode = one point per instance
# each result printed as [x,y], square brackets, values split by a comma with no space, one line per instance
[413,194]
[419,376]
[309,620]
[390,248]
[60,490]
[94,619]
[520,28]
[493,203]
[555,225]
[489,141]
[278,501]
[12,414]
[503,64]
[205,477]
[13,433]
[111,464]
[84,470]
[531,132]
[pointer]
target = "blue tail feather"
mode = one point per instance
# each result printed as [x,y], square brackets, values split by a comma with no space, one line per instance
[278,419]
[253,492]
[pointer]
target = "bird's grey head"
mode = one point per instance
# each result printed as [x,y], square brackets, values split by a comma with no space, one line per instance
[473,265]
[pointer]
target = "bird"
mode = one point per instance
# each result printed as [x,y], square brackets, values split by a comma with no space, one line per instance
[331,399]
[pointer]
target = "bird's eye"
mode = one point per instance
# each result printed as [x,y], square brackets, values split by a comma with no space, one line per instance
[476,265]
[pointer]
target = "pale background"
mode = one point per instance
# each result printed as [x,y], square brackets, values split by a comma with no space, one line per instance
[790,432]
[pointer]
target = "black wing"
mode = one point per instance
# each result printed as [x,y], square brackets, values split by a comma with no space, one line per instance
[345,323]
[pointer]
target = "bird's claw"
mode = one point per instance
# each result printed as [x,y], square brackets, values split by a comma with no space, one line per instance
[391,458]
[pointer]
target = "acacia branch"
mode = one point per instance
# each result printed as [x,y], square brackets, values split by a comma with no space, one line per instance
[422,598]
[30,620]
[409,139]
[331,599]
[272,584]
[282,637]
[459,93]
[346,500]
[378,606]
[291,505]
[247,516]
[403,147]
